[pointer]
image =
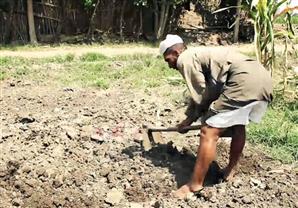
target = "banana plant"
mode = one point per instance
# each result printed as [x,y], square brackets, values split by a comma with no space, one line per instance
[264,15]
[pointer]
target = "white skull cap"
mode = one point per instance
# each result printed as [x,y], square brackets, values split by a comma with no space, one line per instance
[169,42]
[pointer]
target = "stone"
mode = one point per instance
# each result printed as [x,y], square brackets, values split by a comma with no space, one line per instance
[126,185]
[26,119]
[40,171]
[18,185]
[31,182]
[295,69]
[3,172]
[247,200]
[114,196]
[86,131]
[190,197]
[97,138]
[112,177]
[87,113]
[12,166]
[72,133]
[105,170]
[52,173]
[16,202]
[58,151]
[58,181]
[221,190]
[24,127]
[5,133]
[258,183]
[158,204]
[68,89]
[237,183]
[213,199]
[262,185]
[78,181]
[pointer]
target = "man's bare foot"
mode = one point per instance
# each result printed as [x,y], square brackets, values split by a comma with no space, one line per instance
[186,189]
[228,174]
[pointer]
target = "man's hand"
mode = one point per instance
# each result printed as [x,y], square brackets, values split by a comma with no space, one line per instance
[187,122]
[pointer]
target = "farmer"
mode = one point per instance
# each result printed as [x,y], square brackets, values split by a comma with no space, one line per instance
[227,91]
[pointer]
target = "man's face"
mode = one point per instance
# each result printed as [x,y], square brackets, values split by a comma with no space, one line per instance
[171,58]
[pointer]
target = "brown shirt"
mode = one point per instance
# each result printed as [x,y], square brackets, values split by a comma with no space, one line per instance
[221,80]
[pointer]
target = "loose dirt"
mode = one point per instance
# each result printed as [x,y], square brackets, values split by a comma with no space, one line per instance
[73,147]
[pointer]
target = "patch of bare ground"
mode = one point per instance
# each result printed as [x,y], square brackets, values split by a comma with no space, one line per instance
[74,147]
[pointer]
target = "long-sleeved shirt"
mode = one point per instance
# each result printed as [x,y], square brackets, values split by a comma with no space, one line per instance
[221,80]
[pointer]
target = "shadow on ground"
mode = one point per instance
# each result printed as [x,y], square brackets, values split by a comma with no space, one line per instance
[179,163]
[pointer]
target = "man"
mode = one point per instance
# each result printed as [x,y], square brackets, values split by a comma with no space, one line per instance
[228,90]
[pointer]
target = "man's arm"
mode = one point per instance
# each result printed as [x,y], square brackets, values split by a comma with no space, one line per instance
[191,116]
[191,70]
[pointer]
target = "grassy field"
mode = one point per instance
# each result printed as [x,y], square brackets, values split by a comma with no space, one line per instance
[91,69]
[281,20]
[278,132]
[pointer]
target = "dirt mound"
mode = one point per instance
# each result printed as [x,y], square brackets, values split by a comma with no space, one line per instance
[70,147]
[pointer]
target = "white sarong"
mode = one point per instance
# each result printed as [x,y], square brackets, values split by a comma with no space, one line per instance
[242,116]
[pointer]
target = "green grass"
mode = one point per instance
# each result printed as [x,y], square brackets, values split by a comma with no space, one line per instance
[14,67]
[61,59]
[92,69]
[2,75]
[281,20]
[278,131]
[102,83]
[93,57]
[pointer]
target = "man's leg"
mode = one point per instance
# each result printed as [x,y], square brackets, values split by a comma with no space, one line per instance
[205,155]
[237,145]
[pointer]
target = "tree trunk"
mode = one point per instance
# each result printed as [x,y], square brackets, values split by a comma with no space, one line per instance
[121,25]
[140,31]
[9,26]
[62,17]
[163,18]
[111,24]
[237,22]
[32,34]
[91,24]
[156,17]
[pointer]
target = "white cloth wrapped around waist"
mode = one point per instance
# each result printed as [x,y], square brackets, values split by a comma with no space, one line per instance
[242,116]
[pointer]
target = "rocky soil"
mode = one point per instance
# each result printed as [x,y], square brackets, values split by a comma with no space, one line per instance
[71,147]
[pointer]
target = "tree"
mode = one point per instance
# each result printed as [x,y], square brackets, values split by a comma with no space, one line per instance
[7,10]
[237,22]
[90,3]
[121,24]
[161,11]
[31,24]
